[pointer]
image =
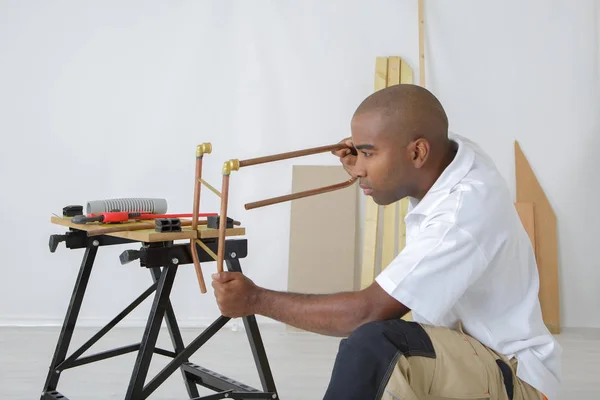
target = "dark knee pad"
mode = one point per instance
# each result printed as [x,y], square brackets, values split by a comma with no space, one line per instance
[366,358]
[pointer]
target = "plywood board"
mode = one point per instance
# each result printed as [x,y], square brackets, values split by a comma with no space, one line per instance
[529,190]
[527,217]
[323,232]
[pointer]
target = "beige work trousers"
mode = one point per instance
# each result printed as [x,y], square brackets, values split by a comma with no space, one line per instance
[463,369]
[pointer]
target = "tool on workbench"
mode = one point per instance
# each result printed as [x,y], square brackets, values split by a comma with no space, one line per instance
[168,225]
[124,216]
[214,220]
[142,204]
[72,210]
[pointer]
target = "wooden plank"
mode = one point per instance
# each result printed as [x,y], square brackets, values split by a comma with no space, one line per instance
[402,211]
[406,77]
[150,235]
[369,256]
[370,242]
[393,74]
[406,73]
[529,190]
[388,251]
[390,212]
[526,215]
[381,67]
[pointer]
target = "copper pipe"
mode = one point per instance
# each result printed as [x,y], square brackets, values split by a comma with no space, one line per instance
[299,195]
[235,165]
[223,220]
[291,154]
[200,150]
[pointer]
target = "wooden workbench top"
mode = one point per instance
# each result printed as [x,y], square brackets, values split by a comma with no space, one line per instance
[150,235]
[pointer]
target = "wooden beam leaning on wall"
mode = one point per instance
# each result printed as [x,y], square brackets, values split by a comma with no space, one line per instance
[370,236]
[390,212]
[384,230]
[544,240]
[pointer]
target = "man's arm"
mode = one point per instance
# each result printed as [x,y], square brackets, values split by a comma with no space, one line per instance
[336,314]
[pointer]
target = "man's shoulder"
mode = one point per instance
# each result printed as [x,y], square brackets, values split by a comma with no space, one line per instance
[471,195]
[480,203]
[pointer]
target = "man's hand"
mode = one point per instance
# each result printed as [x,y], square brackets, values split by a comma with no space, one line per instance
[347,156]
[236,295]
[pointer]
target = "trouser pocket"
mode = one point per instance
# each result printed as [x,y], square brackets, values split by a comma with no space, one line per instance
[461,367]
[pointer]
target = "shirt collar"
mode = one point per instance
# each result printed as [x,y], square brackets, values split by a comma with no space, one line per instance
[454,172]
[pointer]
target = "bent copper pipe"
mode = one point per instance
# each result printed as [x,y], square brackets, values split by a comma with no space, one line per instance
[299,195]
[235,165]
[291,154]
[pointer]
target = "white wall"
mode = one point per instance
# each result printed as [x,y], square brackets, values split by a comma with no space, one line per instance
[145,82]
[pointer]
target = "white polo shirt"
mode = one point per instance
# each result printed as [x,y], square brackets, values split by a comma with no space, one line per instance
[468,258]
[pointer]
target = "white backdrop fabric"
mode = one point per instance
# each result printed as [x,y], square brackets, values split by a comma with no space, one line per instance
[110,99]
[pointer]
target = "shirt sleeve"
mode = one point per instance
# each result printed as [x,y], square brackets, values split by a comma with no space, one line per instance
[434,270]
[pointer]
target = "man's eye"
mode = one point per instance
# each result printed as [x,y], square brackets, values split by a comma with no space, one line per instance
[366,154]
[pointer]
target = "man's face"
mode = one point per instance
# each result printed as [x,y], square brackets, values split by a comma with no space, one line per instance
[383,164]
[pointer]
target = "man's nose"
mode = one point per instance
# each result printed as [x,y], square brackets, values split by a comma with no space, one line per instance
[359,168]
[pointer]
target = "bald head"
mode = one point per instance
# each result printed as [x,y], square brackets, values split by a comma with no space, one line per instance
[401,134]
[408,110]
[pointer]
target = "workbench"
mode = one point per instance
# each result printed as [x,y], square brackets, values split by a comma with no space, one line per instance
[160,253]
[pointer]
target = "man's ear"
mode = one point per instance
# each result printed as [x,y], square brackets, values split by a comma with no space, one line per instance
[418,152]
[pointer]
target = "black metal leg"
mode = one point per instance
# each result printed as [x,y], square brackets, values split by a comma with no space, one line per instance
[176,339]
[66,333]
[184,355]
[157,312]
[163,279]
[256,343]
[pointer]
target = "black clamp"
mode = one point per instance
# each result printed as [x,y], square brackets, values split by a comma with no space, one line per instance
[168,225]
[130,255]
[213,222]
[55,240]
[72,211]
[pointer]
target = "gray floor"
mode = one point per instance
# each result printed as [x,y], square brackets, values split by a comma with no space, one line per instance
[301,363]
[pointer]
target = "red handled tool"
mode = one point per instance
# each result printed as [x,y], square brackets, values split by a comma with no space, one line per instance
[124,216]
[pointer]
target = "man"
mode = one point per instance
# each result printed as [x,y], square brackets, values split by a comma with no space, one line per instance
[468,272]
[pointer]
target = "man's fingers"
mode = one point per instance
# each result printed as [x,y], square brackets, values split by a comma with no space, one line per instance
[345,151]
[223,277]
[342,152]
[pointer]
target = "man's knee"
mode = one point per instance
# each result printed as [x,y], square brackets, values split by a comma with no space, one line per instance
[369,332]
[367,357]
[367,339]
[397,335]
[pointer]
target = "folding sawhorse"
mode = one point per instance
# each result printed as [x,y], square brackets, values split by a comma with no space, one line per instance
[162,256]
